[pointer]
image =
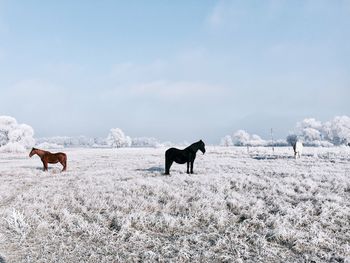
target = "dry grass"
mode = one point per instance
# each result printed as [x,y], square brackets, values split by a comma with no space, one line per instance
[115,206]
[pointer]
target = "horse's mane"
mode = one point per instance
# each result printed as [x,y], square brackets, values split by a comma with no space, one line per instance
[194,146]
[36,149]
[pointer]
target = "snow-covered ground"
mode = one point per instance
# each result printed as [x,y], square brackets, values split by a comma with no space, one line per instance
[114,205]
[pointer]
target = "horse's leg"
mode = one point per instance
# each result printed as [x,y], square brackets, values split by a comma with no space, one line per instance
[188,167]
[45,166]
[64,164]
[168,164]
[192,167]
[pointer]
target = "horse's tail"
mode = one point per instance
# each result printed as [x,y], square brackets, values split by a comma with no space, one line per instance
[63,160]
[168,154]
[168,160]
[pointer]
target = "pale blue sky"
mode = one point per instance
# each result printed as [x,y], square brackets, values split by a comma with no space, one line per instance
[174,70]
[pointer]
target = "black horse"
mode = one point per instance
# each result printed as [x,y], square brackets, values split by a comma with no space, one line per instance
[186,155]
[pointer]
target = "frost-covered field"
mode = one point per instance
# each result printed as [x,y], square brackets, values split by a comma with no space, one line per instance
[114,205]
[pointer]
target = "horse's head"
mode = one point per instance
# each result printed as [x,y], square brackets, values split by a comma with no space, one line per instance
[32,152]
[201,146]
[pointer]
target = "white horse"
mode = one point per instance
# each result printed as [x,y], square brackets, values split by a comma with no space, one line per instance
[298,149]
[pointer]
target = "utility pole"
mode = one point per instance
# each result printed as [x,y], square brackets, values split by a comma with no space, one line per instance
[272,143]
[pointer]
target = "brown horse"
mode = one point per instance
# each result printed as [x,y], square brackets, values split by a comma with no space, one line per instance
[47,157]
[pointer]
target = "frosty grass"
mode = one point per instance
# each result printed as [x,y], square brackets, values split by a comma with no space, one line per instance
[114,205]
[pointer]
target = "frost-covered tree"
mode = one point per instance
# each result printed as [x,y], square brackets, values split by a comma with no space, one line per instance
[309,123]
[116,139]
[311,134]
[15,136]
[226,141]
[98,142]
[242,138]
[337,130]
[22,134]
[79,141]
[255,140]
[48,145]
[145,142]
[316,133]
[292,139]
[278,142]
[310,130]
[7,124]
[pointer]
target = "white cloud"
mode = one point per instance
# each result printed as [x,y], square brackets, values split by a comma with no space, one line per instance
[179,66]
[234,13]
[224,12]
[3,30]
[161,88]
[215,19]
[2,53]
[64,69]
[3,26]
[127,72]
[40,87]
[32,95]
[194,56]
[183,74]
